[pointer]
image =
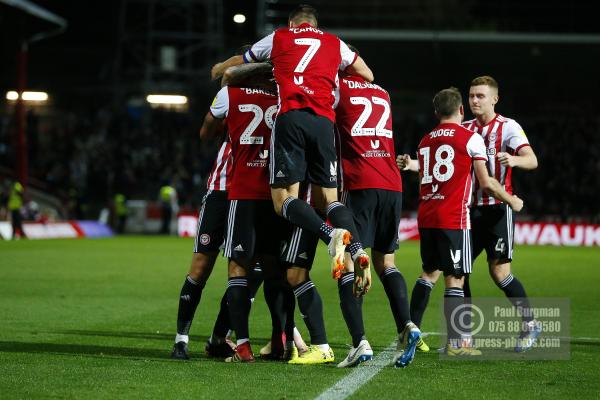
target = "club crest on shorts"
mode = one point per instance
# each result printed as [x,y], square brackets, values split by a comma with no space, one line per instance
[204,239]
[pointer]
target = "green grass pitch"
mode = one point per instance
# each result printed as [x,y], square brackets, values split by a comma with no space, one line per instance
[96,319]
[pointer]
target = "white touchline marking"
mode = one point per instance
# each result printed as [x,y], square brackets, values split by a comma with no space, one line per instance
[346,386]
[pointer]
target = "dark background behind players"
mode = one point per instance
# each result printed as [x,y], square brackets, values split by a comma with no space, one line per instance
[97,136]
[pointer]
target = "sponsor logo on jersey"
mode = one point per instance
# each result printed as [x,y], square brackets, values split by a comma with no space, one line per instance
[491,151]
[298,80]
[375,144]
[434,187]
[376,154]
[264,154]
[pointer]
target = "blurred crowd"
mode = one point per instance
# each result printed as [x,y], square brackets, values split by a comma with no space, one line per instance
[85,159]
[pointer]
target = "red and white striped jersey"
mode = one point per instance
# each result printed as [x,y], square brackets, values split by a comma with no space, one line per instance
[250,116]
[501,134]
[305,61]
[220,174]
[446,157]
[364,122]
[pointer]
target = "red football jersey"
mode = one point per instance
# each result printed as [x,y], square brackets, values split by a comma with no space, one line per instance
[364,122]
[305,65]
[250,115]
[220,175]
[501,134]
[446,157]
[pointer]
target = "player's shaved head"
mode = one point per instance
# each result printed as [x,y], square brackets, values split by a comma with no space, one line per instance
[485,80]
[304,13]
[447,102]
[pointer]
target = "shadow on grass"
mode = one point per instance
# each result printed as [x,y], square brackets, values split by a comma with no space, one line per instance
[84,350]
[129,335]
[168,336]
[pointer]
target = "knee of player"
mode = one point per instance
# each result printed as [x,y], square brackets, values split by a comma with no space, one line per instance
[499,270]
[296,276]
[201,265]
[278,208]
[431,277]
[236,268]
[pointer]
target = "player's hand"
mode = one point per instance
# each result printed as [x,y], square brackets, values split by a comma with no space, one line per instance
[516,204]
[215,71]
[362,281]
[506,159]
[403,162]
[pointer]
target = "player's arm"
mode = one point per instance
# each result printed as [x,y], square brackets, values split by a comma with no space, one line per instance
[524,159]
[405,163]
[360,68]
[212,128]
[259,52]
[238,75]
[219,68]
[492,187]
[214,121]
[353,64]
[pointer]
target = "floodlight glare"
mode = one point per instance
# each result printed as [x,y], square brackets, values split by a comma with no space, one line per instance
[239,18]
[166,99]
[27,96]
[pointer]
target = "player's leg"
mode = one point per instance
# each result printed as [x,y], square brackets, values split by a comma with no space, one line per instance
[423,286]
[301,214]
[238,300]
[500,251]
[454,256]
[274,292]
[351,307]
[421,293]
[287,167]
[209,237]
[219,344]
[362,207]
[291,150]
[311,307]
[240,249]
[396,291]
